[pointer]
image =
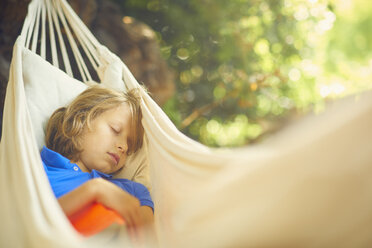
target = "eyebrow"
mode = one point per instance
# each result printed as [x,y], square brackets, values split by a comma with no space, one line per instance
[117,121]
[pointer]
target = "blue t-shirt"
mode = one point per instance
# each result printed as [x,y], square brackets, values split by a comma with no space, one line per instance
[65,176]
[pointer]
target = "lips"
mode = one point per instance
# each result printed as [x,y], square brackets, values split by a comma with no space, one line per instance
[115,157]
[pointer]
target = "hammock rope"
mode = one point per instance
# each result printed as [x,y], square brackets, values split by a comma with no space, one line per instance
[55,14]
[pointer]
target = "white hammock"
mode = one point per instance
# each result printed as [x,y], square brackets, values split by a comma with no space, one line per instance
[308,186]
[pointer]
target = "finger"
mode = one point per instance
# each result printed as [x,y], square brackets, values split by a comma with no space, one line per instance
[132,235]
[132,222]
[137,219]
[135,226]
[140,235]
[128,219]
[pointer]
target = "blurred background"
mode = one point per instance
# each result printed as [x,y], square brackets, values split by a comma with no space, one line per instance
[228,73]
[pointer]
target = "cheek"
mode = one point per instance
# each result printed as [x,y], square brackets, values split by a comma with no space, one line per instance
[123,160]
[99,135]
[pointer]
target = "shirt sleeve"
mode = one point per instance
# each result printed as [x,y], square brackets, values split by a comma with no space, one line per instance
[143,195]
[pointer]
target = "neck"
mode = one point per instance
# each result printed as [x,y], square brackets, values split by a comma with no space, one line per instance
[82,167]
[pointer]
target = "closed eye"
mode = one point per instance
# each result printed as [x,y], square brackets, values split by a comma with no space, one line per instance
[115,130]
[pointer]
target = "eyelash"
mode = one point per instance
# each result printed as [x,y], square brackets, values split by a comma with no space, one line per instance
[114,130]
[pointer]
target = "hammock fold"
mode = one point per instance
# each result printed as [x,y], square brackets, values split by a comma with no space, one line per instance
[309,185]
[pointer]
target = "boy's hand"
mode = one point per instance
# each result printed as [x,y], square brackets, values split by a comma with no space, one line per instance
[119,200]
[111,196]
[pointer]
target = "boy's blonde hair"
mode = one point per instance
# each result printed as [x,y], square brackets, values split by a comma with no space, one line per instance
[66,124]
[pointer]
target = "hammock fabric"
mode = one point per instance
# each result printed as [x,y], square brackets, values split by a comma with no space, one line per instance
[310,185]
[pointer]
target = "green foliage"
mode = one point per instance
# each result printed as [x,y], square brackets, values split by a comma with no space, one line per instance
[243,65]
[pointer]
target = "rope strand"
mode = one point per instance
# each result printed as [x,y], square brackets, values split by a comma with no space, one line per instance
[66,33]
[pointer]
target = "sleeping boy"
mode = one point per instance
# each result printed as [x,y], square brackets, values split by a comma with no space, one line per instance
[89,140]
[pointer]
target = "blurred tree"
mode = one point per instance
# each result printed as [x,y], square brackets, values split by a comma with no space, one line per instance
[346,56]
[242,67]
[238,63]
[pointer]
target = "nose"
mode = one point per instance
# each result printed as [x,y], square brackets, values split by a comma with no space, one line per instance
[122,146]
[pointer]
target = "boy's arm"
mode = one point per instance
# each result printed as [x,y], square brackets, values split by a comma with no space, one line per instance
[78,198]
[147,214]
[101,191]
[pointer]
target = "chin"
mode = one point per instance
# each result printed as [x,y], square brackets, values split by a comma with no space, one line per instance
[104,170]
[116,170]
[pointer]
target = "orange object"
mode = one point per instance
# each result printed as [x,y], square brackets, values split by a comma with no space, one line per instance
[94,218]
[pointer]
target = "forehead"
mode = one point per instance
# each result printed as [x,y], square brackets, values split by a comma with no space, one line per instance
[121,113]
